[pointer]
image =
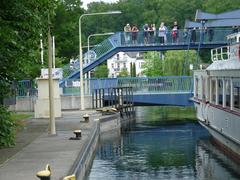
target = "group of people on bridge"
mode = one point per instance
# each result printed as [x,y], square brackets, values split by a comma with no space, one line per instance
[150,34]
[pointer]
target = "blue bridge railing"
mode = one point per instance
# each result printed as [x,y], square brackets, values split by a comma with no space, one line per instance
[185,39]
[140,85]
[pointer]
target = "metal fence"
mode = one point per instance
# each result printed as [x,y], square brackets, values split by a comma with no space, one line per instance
[26,88]
[140,85]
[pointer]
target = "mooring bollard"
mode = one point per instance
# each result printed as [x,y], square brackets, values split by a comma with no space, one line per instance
[78,134]
[44,174]
[86,117]
[71,177]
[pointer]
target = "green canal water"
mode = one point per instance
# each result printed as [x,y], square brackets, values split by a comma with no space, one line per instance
[163,143]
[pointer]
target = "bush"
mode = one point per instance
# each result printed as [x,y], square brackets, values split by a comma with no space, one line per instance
[7,128]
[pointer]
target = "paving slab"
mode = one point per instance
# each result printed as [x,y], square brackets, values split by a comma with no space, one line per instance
[58,150]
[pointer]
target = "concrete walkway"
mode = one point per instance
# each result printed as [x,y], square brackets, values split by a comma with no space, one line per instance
[58,151]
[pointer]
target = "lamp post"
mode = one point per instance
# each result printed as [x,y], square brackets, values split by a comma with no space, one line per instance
[80,51]
[93,35]
[88,53]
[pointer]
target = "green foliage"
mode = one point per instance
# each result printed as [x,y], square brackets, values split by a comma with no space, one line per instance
[65,28]
[101,71]
[123,73]
[153,65]
[175,63]
[7,128]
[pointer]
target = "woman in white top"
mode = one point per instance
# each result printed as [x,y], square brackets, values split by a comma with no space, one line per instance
[162,33]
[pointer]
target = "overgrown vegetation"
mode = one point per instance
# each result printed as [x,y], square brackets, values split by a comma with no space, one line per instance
[7,128]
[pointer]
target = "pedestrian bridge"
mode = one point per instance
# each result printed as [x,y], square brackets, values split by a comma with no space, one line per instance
[118,43]
[172,91]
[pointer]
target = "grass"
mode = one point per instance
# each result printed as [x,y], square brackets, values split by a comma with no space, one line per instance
[19,118]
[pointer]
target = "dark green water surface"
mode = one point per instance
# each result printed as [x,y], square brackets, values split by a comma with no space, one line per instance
[163,143]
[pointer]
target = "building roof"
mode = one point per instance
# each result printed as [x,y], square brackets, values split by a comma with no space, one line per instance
[235,14]
[132,54]
[216,23]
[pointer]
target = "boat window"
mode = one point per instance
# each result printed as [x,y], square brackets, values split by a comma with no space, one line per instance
[236,94]
[233,40]
[213,85]
[228,91]
[220,91]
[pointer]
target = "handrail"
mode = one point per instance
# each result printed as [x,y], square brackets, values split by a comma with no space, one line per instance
[183,38]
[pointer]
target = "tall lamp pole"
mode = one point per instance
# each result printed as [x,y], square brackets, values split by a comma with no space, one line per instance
[93,35]
[80,52]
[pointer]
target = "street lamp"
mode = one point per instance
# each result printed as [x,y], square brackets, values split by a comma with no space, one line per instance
[88,52]
[93,35]
[80,51]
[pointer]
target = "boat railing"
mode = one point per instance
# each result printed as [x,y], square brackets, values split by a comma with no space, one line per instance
[220,54]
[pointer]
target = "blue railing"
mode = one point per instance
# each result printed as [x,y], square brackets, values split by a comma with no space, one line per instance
[184,37]
[140,85]
[26,88]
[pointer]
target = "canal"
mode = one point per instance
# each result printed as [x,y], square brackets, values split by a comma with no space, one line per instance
[163,143]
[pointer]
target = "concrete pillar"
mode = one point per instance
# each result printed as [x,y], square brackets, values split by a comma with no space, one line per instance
[41,106]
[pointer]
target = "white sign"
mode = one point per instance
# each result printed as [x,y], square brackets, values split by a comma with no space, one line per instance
[76,83]
[56,73]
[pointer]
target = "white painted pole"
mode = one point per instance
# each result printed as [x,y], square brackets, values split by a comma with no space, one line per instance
[53,51]
[41,49]
[224,93]
[50,85]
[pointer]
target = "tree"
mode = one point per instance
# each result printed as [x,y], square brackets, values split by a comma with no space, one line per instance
[21,23]
[101,71]
[65,28]
[175,63]
[153,65]
[123,73]
[134,70]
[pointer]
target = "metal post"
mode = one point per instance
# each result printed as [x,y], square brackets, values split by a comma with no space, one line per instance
[41,48]
[231,94]
[80,51]
[224,93]
[217,97]
[50,83]
[53,51]
[81,65]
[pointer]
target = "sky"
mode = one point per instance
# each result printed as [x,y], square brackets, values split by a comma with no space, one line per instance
[85,2]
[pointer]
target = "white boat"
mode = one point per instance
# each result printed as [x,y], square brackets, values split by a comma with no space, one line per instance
[217,96]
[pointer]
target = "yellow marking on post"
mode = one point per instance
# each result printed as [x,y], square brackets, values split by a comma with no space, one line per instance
[71,177]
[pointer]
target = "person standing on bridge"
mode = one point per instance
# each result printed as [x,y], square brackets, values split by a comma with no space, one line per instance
[162,33]
[175,33]
[134,34]
[127,33]
[145,33]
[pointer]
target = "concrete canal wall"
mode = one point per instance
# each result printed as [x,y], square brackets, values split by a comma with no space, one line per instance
[26,104]
[104,124]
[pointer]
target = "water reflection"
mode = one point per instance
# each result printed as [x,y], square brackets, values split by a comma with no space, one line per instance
[153,151]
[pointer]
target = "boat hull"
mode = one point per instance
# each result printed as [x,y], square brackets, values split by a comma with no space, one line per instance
[223,126]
